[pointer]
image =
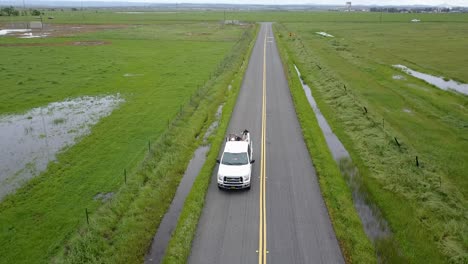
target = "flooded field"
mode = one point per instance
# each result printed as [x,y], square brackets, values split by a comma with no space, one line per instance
[32,35]
[374,225]
[31,140]
[23,30]
[439,82]
[4,32]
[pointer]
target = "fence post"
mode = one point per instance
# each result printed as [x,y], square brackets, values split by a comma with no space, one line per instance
[87,216]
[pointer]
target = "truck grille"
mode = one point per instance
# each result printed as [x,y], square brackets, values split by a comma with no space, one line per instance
[233,179]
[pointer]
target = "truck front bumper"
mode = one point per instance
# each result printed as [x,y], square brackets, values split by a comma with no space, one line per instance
[227,183]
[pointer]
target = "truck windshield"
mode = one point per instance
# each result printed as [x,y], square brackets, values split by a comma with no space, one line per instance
[235,158]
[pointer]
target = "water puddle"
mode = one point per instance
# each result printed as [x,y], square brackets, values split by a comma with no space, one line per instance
[324,34]
[337,149]
[132,74]
[169,222]
[375,226]
[4,32]
[213,125]
[439,82]
[398,77]
[31,35]
[30,141]
[103,197]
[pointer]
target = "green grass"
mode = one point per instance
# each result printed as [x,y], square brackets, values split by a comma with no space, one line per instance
[58,72]
[432,47]
[104,16]
[123,229]
[44,214]
[172,56]
[355,245]
[180,244]
[425,206]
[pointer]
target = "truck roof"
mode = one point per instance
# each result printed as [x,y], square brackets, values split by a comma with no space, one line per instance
[236,146]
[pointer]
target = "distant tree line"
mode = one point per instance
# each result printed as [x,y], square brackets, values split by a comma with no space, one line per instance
[11,11]
[418,10]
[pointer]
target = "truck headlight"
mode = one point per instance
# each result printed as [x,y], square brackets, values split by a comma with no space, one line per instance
[220,177]
[246,177]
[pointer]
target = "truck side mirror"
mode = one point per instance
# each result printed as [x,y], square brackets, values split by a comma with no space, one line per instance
[218,161]
[252,161]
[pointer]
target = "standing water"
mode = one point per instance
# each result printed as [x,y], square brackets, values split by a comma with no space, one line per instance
[374,225]
[169,222]
[436,81]
[4,32]
[30,141]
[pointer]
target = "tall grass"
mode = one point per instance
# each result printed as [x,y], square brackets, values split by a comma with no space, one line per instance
[354,243]
[39,218]
[122,231]
[180,244]
[425,205]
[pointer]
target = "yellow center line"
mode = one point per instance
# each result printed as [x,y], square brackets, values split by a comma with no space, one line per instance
[262,228]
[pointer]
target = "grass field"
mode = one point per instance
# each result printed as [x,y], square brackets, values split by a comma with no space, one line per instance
[166,67]
[172,69]
[148,16]
[426,206]
[355,245]
[180,245]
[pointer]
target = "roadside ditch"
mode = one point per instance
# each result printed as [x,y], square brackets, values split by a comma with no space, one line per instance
[121,230]
[169,222]
[375,226]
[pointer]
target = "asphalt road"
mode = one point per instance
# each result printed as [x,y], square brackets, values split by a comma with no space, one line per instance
[286,220]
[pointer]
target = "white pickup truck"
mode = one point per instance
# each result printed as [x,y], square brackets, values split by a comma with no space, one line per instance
[235,166]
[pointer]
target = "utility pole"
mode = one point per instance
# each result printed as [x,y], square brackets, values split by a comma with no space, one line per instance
[24,12]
